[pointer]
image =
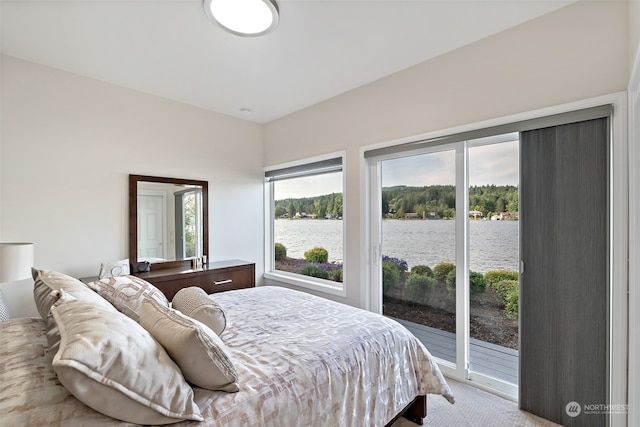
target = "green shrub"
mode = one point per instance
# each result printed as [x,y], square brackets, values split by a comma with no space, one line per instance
[317,254]
[314,271]
[422,269]
[418,287]
[493,277]
[336,275]
[504,287]
[441,270]
[398,262]
[390,275]
[451,278]
[511,303]
[477,284]
[280,252]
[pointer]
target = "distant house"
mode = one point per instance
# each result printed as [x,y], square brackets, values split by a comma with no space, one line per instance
[505,216]
[510,216]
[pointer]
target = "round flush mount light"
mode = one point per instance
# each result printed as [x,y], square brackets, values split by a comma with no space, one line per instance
[243,17]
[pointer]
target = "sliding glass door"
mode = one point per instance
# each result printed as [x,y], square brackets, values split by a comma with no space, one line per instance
[517,250]
[449,216]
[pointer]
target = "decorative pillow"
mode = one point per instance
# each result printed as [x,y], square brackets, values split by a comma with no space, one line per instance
[45,281]
[113,365]
[198,351]
[195,303]
[126,293]
[114,268]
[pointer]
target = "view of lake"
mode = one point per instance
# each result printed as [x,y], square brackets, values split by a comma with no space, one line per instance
[493,244]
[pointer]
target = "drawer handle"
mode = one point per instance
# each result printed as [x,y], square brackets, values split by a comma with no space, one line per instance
[223,282]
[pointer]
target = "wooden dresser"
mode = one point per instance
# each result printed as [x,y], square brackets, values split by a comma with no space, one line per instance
[214,277]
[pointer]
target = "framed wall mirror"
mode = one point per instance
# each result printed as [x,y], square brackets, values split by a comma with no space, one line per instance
[168,220]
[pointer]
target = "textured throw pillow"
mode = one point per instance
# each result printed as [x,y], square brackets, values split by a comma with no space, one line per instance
[113,365]
[195,303]
[45,281]
[126,293]
[198,351]
[114,268]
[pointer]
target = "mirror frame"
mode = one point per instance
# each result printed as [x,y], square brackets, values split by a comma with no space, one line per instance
[133,217]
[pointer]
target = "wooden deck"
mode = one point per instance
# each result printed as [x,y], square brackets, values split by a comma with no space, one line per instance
[485,358]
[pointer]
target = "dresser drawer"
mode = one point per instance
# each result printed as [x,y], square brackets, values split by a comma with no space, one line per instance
[224,281]
[215,277]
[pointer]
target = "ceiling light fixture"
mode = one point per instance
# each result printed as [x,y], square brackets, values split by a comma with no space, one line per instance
[243,17]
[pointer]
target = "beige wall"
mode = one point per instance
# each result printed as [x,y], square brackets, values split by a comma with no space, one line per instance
[577,52]
[68,146]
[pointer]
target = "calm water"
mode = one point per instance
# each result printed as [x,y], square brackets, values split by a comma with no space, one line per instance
[493,244]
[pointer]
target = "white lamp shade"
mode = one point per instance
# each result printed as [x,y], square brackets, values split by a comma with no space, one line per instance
[16,260]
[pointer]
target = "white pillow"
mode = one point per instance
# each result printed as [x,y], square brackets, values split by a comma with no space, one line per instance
[198,351]
[113,365]
[126,293]
[195,303]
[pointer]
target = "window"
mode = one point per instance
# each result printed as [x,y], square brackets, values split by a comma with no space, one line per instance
[305,239]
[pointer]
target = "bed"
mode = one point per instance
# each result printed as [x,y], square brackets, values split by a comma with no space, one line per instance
[300,360]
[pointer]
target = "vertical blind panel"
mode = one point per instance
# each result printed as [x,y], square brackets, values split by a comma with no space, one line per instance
[564,287]
[308,169]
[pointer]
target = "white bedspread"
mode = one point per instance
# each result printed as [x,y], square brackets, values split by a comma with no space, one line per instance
[302,361]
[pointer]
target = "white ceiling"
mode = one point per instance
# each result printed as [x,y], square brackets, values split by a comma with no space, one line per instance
[320,49]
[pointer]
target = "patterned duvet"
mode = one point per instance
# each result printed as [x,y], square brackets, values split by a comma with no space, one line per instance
[302,361]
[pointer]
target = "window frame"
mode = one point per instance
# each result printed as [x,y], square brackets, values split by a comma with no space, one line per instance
[294,279]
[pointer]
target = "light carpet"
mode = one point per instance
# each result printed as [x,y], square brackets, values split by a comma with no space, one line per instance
[474,408]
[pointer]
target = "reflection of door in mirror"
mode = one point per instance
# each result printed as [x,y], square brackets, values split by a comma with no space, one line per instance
[151,225]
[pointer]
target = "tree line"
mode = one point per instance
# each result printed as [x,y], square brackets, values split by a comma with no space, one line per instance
[439,201]
[432,201]
[321,207]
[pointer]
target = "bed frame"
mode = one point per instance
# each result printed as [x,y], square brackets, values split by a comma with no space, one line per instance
[416,411]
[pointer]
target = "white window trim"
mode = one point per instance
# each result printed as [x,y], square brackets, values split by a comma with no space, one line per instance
[298,280]
[619,229]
